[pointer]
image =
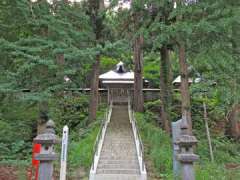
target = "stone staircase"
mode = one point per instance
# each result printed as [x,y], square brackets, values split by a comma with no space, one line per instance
[118,157]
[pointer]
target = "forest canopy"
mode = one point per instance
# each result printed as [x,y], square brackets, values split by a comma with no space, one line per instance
[49,50]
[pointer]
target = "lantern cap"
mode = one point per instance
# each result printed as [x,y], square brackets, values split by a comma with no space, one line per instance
[48,137]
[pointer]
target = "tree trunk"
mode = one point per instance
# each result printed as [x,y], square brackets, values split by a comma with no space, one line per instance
[234,116]
[96,6]
[60,61]
[43,116]
[138,74]
[165,85]
[43,104]
[94,89]
[235,30]
[186,107]
[234,122]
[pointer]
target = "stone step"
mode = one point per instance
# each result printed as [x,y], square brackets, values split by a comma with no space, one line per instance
[118,146]
[118,166]
[119,139]
[123,135]
[117,157]
[111,152]
[118,171]
[118,142]
[108,144]
[120,129]
[117,177]
[130,156]
[118,161]
[122,124]
[120,133]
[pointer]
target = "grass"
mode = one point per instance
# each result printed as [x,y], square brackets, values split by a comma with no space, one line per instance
[158,153]
[213,171]
[157,148]
[81,152]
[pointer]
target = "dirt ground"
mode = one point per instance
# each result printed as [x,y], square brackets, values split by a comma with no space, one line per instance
[8,173]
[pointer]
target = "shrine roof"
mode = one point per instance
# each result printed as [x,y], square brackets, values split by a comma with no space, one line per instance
[119,74]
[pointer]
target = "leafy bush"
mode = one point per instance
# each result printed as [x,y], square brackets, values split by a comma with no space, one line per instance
[71,110]
[152,72]
[17,119]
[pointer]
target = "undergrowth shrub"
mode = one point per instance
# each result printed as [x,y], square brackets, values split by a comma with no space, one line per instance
[158,150]
[158,145]
[17,120]
[81,144]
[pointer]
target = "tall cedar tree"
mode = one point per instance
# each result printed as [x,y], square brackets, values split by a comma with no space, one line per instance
[30,42]
[138,74]
[185,94]
[138,61]
[95,7]
[233,117]
[160,14]
[166,89]
[165,71]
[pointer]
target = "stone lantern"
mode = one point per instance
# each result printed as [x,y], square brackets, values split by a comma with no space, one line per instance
[47,154]
[186,155]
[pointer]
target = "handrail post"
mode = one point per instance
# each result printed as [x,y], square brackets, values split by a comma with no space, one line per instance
[99,138]
[138,141]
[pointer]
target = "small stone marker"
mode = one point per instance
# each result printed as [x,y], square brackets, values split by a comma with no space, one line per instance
[47,154]
[186,155]
[63,170]
[176,132]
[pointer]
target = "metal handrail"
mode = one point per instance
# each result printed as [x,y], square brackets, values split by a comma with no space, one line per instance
[138,136]
[100,136]
[141,147]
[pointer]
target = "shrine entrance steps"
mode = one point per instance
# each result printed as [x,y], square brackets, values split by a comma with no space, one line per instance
[118,158]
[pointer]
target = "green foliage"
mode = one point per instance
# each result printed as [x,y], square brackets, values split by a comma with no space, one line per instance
[81,147]
[107,63]
[158,150]
[214,171]
[33,34]
[225,150]
[17,121]
[153,106]
[81,152]
[29,61]
[157,145]
[152,70]
[71,110]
